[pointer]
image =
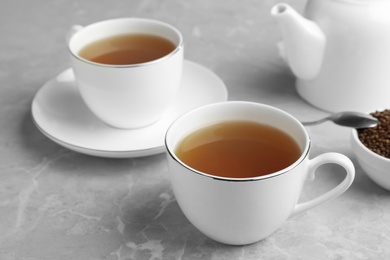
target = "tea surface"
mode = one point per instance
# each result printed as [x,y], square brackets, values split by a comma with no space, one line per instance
[238,149]
[127,49]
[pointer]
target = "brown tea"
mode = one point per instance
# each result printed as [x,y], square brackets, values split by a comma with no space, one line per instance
[127,49]
[238,149]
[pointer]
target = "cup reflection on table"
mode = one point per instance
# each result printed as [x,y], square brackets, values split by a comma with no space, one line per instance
[239,210]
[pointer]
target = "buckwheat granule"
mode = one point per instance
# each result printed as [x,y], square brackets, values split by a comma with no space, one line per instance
[377,138]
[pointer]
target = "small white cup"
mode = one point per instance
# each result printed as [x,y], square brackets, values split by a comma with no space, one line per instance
[240,211]
[127,96]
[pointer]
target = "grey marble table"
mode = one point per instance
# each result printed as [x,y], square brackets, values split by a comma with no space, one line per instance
[59,204]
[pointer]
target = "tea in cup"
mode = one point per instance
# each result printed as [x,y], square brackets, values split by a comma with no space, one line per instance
[237,169]
[128,70]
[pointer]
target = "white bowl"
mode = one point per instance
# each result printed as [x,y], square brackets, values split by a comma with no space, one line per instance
[376,166]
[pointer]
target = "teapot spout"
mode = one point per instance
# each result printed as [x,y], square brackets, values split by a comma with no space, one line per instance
[303,42]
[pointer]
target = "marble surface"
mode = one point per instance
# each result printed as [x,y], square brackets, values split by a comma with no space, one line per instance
[59,204]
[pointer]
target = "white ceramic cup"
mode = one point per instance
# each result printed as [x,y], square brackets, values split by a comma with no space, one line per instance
[240,211]
[127,96]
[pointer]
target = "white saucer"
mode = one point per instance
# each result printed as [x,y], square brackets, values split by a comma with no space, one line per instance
[59,112]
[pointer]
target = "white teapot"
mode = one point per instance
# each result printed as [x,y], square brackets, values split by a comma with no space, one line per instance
[339,50]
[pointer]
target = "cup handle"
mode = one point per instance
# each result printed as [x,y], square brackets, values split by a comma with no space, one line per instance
[73,30]
[335,158]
